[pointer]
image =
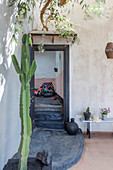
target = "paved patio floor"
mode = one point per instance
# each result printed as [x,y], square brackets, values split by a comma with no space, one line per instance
[98,153]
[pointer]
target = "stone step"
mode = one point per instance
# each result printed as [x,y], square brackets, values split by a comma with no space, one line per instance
[48,124]
[48,109]
[47,115]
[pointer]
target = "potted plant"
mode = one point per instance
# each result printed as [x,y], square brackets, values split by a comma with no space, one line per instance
[104,112]
[87,114]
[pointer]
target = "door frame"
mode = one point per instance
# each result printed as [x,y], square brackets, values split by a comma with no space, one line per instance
[65,49]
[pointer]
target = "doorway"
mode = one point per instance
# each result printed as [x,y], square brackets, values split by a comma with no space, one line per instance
[58,50]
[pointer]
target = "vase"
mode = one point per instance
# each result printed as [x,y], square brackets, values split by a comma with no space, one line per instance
[87,115]
[71,127]
[104,116]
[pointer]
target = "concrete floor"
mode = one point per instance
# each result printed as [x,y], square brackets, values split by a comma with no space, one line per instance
[98,153]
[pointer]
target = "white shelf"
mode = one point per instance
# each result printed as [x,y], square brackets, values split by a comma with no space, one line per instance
[108,120]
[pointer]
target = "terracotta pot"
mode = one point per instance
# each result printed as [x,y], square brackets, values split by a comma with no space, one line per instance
[109,50]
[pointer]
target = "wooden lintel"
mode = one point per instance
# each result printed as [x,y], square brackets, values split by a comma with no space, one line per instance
[50,35]
[53,39]
[43,34]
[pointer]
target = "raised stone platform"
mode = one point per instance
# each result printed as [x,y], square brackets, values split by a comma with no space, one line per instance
[66,150]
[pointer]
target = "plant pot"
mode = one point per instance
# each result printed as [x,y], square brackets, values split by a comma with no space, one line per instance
[87,115]
[71,127]
[104,116]
[109,50]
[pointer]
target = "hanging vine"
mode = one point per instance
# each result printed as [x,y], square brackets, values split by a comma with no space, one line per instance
[51,12]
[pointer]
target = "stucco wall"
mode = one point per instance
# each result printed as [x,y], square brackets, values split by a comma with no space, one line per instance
[91,73]
[9,87]
[45,67]
[45,64]
[59,84]
[59,81]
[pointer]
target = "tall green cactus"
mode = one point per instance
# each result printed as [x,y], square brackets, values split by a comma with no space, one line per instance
[25,73]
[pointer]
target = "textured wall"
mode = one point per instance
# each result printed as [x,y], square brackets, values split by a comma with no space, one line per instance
[59,81]
[45,64]
[91,73]
[59,84]
[9,87]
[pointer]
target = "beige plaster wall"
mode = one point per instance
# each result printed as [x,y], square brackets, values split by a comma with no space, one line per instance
[9,89]
[91,73]
[45,64]
[59,83]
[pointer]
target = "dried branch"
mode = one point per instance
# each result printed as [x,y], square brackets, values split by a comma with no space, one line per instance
[42,13]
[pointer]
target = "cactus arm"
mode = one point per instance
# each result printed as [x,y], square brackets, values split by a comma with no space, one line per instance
[16,65]
[33,68]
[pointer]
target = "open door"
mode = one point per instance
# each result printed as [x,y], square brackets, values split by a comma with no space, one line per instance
[58,49]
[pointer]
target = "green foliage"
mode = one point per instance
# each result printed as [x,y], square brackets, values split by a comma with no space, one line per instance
[98,8]
[22,10]
[88,110]
[54,14]
[25,73]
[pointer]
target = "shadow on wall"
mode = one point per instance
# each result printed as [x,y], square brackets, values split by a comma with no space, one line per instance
[7,46]
[9,123]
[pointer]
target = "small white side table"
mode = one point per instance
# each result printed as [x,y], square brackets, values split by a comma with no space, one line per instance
[108,120]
